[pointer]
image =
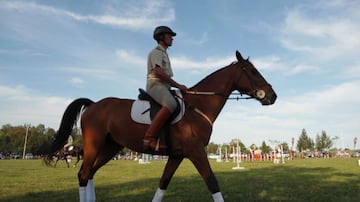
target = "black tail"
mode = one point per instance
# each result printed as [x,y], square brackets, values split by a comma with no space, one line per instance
[68,121]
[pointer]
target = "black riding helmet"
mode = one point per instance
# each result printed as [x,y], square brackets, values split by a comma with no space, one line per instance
[160,31]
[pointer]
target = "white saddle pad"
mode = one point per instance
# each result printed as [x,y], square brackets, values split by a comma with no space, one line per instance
[140,106]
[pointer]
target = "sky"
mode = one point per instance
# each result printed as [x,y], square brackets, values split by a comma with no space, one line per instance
[52,52]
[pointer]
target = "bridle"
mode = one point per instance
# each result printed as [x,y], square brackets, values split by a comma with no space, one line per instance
[255,94]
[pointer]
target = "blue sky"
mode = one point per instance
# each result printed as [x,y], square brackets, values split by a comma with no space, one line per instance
[53,52]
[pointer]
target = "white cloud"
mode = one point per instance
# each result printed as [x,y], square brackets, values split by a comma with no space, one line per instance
[333,109]
[328,103]
[96,72]
[76,80]
[145,16]
[21,105]
[6,91]
[300,68]
[180,62]
[285,67]
[130,57]
[271,62]
[324,37]
[196,41]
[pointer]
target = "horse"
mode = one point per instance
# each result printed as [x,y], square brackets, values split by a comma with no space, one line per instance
[65,152]
[107,126]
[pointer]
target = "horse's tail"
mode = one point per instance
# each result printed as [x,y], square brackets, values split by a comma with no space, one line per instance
[68,121]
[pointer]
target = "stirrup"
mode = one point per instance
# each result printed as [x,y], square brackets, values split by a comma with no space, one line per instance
[147,142]
[152,144]
[157,144]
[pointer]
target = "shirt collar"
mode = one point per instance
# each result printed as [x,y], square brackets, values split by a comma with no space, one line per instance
[159,47]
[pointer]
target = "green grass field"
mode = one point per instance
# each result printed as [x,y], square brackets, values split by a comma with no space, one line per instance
[298,180]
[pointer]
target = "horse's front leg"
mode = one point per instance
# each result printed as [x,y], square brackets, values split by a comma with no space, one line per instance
[77,160]
[170,168]
[201,162]
[57,159]
[67,162]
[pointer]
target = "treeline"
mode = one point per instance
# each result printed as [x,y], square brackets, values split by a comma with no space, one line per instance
[322,142]
[246,149]
[39,138]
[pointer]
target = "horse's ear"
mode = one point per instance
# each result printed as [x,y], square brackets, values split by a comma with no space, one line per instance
[238,56]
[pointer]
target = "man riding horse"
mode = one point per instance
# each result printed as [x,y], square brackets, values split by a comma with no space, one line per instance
[105,133]
[158,85]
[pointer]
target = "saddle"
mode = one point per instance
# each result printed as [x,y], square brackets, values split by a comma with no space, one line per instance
[145,108]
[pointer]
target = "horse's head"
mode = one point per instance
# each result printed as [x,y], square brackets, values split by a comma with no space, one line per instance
[249,81]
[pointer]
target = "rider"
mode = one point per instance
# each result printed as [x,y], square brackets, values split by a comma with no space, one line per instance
[69,142]
[158,84]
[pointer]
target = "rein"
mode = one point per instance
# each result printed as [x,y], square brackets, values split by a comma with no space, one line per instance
[237,98]
[220,94]
[202,114]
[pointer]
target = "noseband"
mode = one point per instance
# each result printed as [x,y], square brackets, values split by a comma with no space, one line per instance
[254,94]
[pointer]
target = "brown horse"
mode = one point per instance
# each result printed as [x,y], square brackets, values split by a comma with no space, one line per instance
[65,152]
[107,126]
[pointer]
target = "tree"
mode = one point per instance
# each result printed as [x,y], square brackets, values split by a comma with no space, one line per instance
[12,139]
[212,148]
[304,142]
[285,146]
[40,139]
[233,143]
[265,148]
[323,141]
[77,137]
[5,145]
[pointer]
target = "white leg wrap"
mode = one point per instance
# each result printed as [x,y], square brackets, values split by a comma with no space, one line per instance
[90,191]
[82,194]
[218,197]
[159,194]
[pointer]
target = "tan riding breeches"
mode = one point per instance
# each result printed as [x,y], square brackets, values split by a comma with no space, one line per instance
[161,94]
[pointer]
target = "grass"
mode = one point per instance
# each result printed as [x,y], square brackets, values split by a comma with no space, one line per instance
[298,180]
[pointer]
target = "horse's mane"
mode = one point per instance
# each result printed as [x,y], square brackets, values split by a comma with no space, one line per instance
[215,72]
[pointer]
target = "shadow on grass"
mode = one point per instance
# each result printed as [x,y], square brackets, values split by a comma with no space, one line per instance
[291,184]
[279,183]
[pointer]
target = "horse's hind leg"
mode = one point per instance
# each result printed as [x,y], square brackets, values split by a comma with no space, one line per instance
[79,155]
[84,174]
[85,183]
[104,155]
[77,159]
[170,168]
[200,161]
[109,150]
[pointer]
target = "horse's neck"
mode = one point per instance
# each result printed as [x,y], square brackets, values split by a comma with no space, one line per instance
[218,82]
